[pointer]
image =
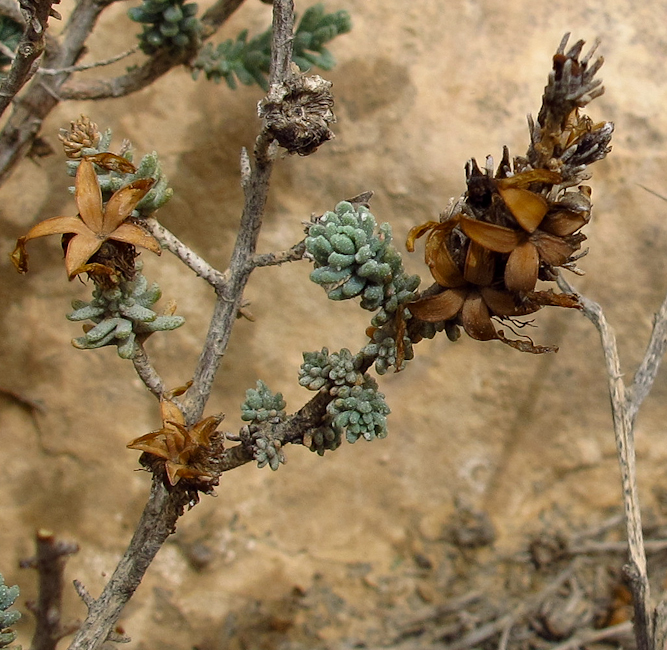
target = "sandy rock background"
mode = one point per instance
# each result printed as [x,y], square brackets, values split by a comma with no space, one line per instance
[420,87]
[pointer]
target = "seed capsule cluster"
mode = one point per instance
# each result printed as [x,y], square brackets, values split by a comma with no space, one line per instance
[521,222]
[8,617]
[120,315]
[168,24]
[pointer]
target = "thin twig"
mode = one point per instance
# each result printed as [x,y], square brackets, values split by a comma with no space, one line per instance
[273,259]
[29,49]
[483,632]
[50,564]
[623,429]
[147,372]
[648,368]
[155,67]
[582,639]
[89,66]
[174,245]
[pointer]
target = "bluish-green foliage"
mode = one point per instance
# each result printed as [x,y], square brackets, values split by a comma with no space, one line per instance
[358,409]
[248,60]
[10,35]
[120,315]
[8,617]
[353,257]
[169,24]
[262,405]
[111,181]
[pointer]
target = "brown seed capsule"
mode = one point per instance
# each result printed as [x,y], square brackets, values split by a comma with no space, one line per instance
[527,207]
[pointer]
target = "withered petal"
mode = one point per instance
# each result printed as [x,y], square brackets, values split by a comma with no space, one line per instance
[496,238]
[123,201]
[443,306]
[553,250]
[522,268]
[527,207]
[563,223]
[524,179]
[419,231]
[202,431]
[130,233]
[476,318]
[113,162]
[88,196]
[443,268]
[79,250]
[504,303]
[568,300]
[479,265]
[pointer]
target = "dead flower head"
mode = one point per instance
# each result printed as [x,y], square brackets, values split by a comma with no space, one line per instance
[521,223]
[188,452]
[94,225]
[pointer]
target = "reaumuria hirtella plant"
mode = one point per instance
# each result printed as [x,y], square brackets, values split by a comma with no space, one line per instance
[512,227]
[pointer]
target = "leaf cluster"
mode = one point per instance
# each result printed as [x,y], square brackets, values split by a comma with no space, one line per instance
[8,617]
[248,61]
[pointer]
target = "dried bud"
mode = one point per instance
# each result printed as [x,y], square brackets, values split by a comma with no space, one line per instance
[82,134]
[298,113]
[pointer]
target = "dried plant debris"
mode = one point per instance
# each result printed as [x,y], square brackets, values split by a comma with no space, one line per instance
[298,113]
[520,222]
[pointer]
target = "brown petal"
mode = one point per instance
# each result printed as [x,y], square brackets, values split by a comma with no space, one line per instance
[524,179]
[152,443]
[19,256]
[563,223]
[113,162]
[202,431]
[123,201]
[132,234]
[553,250]
[495,238]
[503,303]
[79,250]
[477,319]
[443,268]
[527,207]
[170,412]
[522,268]
[444,306]
[479,266]
[417,232]
[88,196]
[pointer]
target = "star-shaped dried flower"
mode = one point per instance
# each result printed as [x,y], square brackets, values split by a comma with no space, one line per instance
[95,223]
[183,448]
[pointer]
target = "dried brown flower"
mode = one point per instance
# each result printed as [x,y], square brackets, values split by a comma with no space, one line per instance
[94,225]
[185,450]
[522,223]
